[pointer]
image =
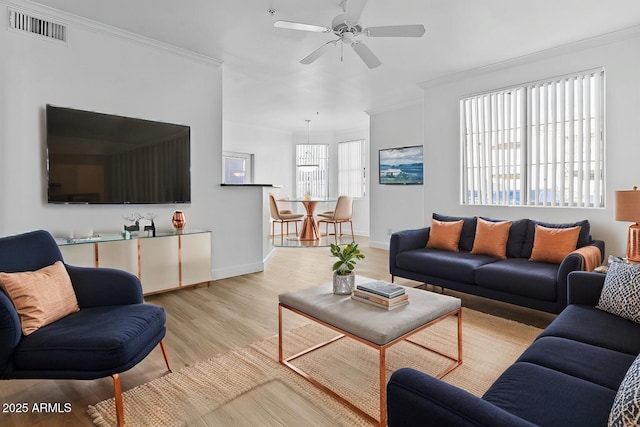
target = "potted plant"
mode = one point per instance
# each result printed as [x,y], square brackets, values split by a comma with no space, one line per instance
[343,276]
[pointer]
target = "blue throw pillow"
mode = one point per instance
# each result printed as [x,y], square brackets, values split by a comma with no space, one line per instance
[621,291]
[625,411]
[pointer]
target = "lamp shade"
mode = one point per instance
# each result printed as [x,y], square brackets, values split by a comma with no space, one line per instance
[627,206]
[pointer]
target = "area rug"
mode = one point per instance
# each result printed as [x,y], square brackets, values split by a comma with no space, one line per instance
[249,387]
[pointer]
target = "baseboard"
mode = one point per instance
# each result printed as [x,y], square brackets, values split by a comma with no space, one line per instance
[270,255]
[237,270]
[379,245]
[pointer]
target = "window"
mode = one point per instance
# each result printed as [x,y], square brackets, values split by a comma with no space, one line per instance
[539,144]
[351,168]
[237,168]
[312,169]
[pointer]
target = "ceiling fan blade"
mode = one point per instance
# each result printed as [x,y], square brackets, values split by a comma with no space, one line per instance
[395,31]
[317,53]
[302,27]
[353,9]
[366,55]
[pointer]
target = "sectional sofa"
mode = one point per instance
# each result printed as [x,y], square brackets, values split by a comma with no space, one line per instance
[583,370]
[514,278]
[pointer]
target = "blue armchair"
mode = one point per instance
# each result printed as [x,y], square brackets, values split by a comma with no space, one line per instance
[112,332]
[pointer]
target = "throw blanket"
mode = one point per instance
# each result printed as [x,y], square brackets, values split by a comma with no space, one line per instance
[591,257]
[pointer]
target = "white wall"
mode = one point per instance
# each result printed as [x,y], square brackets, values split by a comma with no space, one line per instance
[272,150]
[621,59]
[396,207]
[108,71]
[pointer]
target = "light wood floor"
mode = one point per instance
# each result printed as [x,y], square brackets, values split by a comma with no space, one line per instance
[209,319]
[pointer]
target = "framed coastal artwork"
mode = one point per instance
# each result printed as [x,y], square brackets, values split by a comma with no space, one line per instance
[401,165]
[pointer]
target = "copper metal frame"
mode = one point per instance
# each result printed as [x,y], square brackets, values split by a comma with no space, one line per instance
[337,225]
[117,389]
[382,372]
[309,230]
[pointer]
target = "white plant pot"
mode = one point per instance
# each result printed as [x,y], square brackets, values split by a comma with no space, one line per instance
[344,284]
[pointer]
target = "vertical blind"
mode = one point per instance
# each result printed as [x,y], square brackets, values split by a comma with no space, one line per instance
[539,144]
[312,164]
[351,168]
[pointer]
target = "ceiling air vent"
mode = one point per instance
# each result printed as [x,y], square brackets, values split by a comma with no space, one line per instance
[20,21]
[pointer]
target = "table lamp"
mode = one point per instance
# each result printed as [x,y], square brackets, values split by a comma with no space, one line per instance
[627,208]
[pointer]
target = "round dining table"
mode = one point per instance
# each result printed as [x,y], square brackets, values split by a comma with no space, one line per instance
[309,230]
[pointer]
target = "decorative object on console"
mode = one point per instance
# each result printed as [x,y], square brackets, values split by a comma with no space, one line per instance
[150,229]
[343,276]
[627,208]
[134,217]
[178,220]
[152,226]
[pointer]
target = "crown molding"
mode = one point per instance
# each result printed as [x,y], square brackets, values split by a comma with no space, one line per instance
[75,21]
[413,102]
[591,42]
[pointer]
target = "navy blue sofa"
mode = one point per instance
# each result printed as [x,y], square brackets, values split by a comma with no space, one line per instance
[569,376]
[111,333]
[516,280]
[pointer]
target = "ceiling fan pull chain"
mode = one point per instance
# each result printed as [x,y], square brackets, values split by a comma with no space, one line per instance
[342,52]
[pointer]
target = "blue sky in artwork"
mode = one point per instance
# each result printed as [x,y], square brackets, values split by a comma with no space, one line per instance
[401,156]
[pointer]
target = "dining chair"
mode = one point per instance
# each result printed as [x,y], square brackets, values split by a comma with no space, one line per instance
[341,214]
[282,217]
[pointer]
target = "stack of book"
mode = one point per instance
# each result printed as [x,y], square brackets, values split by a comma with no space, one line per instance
[381,294]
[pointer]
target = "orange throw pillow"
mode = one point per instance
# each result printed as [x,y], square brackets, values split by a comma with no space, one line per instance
[445,235]
[553,244]
[491,238]
[40,297]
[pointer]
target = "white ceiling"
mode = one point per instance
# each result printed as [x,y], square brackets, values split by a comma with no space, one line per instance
[265,85]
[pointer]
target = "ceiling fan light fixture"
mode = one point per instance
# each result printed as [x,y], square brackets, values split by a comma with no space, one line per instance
[345,26]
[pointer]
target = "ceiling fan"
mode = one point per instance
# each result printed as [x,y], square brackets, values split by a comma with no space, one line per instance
[346,27]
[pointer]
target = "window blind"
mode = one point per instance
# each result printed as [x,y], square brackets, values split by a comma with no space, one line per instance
[351,168]
[312,166]
[539,144]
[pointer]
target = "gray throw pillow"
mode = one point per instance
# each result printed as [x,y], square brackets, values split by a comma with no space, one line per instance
[621,291]
[625,411]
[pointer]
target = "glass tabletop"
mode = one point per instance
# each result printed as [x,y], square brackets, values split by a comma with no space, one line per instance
[302,199]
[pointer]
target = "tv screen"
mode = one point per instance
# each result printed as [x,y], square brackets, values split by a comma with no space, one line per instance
[103,158]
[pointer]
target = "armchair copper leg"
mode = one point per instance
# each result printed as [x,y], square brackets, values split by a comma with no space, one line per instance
[118,398]
[164,354]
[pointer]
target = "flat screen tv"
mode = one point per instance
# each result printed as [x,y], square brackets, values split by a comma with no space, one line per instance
[108,159]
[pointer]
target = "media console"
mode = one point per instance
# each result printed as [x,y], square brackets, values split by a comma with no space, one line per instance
[165,262]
